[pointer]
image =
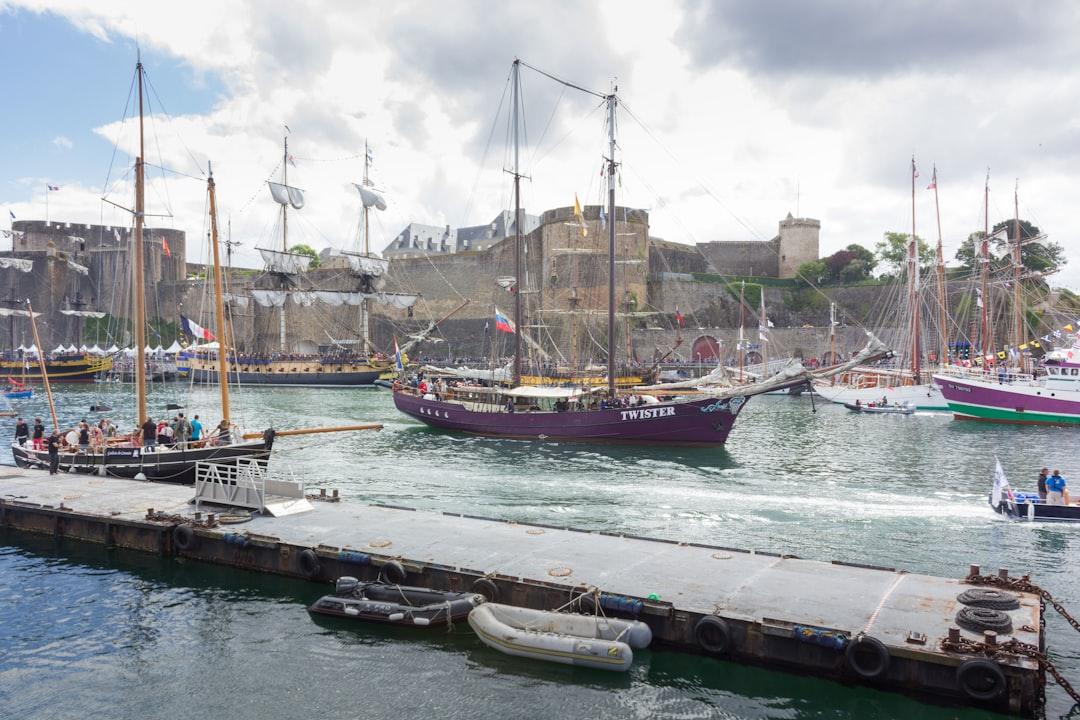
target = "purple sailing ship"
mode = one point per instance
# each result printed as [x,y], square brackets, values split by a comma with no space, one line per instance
[576,414]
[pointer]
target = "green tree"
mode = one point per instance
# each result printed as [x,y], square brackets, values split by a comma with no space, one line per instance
[302,249]
[815,272]
[867,257]
[892,251]
[1042,256]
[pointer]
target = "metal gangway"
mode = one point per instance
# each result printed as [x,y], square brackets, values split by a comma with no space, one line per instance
[250,483]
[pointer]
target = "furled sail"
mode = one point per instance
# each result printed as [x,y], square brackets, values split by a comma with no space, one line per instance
[335,298]
[7,312]
[304,299]
[83,313]
[17,263]
[82,270]
[286,194]
[239,300]
[394,300]
[283,262]
[370,198]
[366,264]
[269,298]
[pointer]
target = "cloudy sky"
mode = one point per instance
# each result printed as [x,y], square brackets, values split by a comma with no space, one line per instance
[737,112]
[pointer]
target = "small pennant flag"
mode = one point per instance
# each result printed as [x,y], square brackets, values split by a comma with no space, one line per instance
[292,160]
[397,357]
[580,217]
[679,319]
[195,330]
[603,217]
[503,323]
[53,188]
[116,234]
[12,214]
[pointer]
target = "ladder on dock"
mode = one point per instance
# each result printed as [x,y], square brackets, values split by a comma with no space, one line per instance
[249,483]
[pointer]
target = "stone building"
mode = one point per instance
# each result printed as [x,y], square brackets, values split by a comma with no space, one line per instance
[419,240]
[796,242]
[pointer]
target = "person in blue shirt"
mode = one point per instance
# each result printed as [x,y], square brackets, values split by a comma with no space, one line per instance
[1055,489]
[196,429]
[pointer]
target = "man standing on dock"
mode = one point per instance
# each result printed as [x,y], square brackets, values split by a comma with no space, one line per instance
[53,443]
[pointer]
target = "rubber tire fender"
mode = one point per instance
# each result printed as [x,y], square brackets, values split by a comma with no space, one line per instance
[713,635]
[973,674]
[486,587]
[586,603]
[879,657]
[393,572]
[309,563]
[183,537]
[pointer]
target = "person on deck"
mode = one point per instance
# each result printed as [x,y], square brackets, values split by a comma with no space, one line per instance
[224,436]
[1055,489]
[196,429]
[97,437]
[22,431]
[183,430]
[1042,483]
[84,437]
[39,434]
[54,452]
[149,433]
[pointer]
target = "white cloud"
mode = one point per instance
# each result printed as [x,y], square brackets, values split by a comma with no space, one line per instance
[62,142]
[748,123]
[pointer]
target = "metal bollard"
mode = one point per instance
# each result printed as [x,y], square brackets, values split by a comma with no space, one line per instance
[198,516]
[1003,573]
[990,637]
[954,634]
[974,570]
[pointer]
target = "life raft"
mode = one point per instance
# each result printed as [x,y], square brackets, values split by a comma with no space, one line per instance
[571,639]
[395,604]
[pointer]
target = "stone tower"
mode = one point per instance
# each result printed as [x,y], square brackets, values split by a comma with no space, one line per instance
[799,242]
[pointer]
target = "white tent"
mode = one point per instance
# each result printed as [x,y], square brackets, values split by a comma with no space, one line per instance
[71,349]
[129,352]
[113,349]
[148,349]
[59,349]
[95,350]
[21,348]
[174,348]
[215,345]
[32,350]
[83,348]
[159,350]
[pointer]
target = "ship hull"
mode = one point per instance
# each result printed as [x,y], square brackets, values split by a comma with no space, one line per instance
[923,397]
[175,466]
[703,423]
[66,371]
[989,401]
[298,379]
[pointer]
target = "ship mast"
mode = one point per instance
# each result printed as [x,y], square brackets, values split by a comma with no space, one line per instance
[284,233]
[913,282]
[832,339]
[219,303]
[742,322]
[140,299]
[41,366]
[763,329]
[987,329]
[612,101]
[943,298]
[1018,310]
[365,318]
[517,228]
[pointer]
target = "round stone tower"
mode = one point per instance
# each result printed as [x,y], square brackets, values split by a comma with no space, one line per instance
[799,243]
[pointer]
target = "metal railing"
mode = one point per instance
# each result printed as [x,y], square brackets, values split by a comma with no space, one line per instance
[243,482]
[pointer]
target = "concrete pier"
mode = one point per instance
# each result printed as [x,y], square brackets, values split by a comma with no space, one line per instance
[875,626]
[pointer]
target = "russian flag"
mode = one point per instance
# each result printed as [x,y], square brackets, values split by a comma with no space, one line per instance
[502,323]
[196,331]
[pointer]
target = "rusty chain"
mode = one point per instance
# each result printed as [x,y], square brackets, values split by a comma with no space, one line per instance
[1011,647]
[1023,584]
[159,516]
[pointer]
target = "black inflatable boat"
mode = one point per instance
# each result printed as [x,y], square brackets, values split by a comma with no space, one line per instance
[395,604]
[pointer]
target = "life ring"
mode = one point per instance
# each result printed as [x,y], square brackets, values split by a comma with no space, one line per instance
[867,657]
[980,679]
[183,537]
[393,572]
[487,588]
[713,635]
[309,563]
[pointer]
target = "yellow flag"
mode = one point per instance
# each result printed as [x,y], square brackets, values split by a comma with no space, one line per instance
[1068,328]
[580,216]
[1024,346]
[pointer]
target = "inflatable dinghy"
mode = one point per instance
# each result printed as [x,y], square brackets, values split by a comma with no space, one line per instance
[571,639]
[395,604]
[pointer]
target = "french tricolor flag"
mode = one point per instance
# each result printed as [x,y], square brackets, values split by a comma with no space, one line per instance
[195,330]
[502,323]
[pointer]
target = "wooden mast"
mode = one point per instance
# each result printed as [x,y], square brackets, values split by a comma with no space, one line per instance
[763,329]
[1018,300]
[284,234]
[987,328]
[832,339]
[742,322]
[140,299]
[943,296]
[517,228]
[365,317]
[612,101]
[41,366]
[913,282]
[219,304]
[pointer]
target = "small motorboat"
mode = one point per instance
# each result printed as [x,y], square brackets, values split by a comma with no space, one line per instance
[571,639]
[395,604]
[1020,505]
[19,394]
[904,408]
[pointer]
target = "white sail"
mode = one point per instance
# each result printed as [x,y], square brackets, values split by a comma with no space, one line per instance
[81,269]
[269,298]
[18,264]
[394,300]
[284,262]
[7,312]
[370,198]
[83,313]
[335,298]
[239,300]
[286,194]
[366,264]
[304,299]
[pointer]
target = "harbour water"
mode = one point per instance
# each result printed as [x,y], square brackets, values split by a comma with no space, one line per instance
[103,633]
